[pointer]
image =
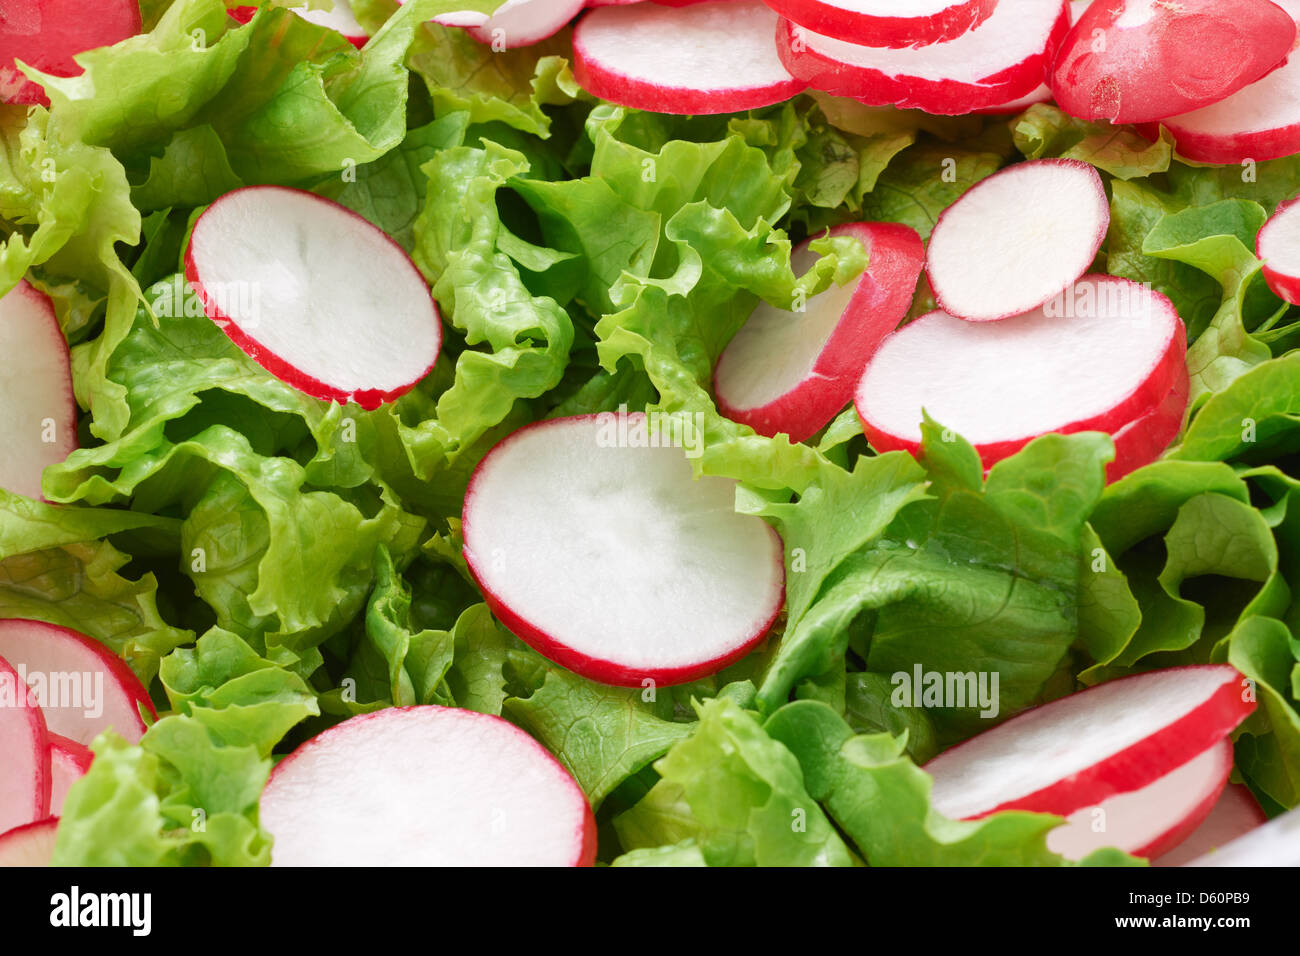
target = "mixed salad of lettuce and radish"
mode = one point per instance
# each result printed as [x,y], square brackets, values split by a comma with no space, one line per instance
[649,432]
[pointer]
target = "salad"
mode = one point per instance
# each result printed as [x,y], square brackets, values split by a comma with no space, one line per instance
[649,432]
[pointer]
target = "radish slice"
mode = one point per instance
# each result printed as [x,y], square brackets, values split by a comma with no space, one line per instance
[516,23]
[1018,238]
[47,34]
[714,57]
[24,753]
[1146,437]
[1001,384]
[1276,843]
[29,845]
[593,541]
[69,762]
[1136,61]
[315,294]
[82,687]
[1234,815]
[887,23]
[1005,58]
[792,372]
[426,786]
[1278,245]
[1043,93]
[1152,819]
[39,424]
[1075,752]
[341,19]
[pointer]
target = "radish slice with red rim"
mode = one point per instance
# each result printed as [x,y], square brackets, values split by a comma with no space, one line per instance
[339,18]
[793,371]
[1001,384]
[39,426]
[82,687]
[515,23]
[1004,58]
[24,753]
[69,762]
[712,57]
[675,584]
[426,786]
[1017,238]
[1152,819]
[318,296]
[1137,61]
[29,845]
[1146,437]
[1278,245]
[1234,814]
[1043,92]
[887,23]
[1079,750]
[48,34]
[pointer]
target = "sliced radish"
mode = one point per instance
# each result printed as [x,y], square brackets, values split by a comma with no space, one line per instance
[714,57]
[47,34]
[592,541]
[69,762]
[340,19]
[1136,61]
[29,845]
[516,23]
[82,687]
[1075,752]
[1006,57]
[1017,239]
[887,23]
[1001,384]
[1152,819]
[426,786]
[1145,438]
[38,427]
[1276,843]
[1235,814]
[315,294]
[791,372]
[1278,245]
[1042,93]
[24,753]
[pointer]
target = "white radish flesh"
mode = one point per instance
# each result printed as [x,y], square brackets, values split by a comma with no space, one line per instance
[1152,819]
[38,415]
[69,762]
[1110,739]
[1006,57]
[792,371]
[1001,384]
[24,754]
[714,57]
[81,686]
[30,845]
[318,296]
[1017,239]
[1276,843]
[593,541]
[515,23]
[426,786]
[887,23]
[1235,814]
[1279,246]
[338,18]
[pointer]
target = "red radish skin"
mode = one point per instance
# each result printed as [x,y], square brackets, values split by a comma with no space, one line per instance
[35,392]
[24,754]
[1278,244]
[1043,93]
[1007,57]
[977,377]
[1079,750]
[887,23]
[340,19]
[1137,61]
[724,572]
[1235,814]
[396,331]
[52,652]
[1017,238]
[713,57]
[47,34]
[848,322]
[490,775]
[69,762]
[1145,439]
[29,845]
[1153,819]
